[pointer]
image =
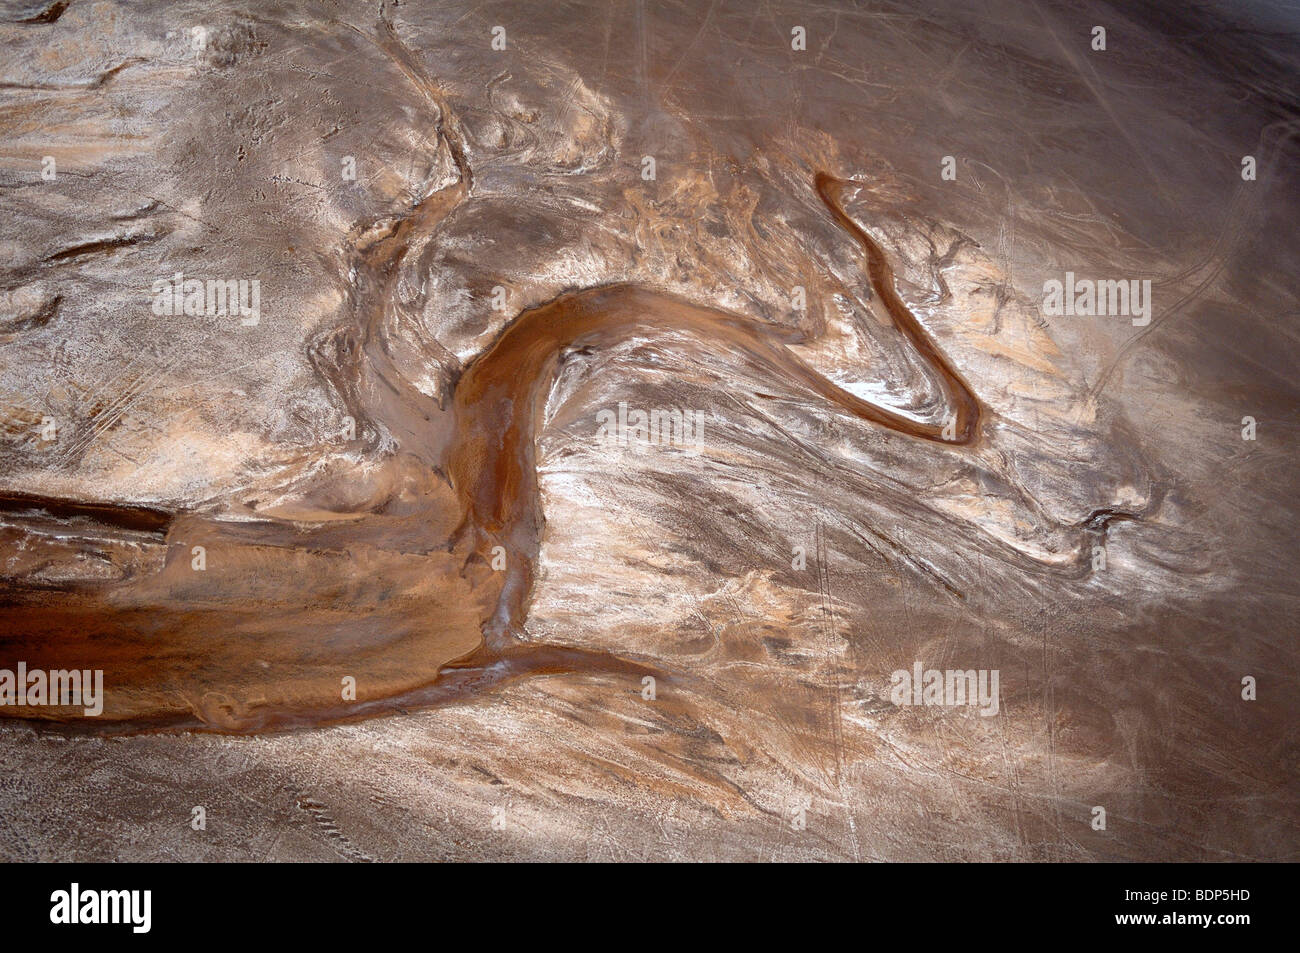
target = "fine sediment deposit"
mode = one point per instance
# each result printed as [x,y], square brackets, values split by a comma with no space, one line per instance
[591,416]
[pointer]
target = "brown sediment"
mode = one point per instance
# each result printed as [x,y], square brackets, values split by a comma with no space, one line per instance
[403,598]
[1096,529]
[965,406]
[144,519]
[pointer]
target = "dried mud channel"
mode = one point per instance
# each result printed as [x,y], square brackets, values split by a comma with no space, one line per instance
[265,642]
[402,473]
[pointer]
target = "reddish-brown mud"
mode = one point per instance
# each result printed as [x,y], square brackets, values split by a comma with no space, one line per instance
[265,633]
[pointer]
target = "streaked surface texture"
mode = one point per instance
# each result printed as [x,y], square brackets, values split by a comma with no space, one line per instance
[416,464]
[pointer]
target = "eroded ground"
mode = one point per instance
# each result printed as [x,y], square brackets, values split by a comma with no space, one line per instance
[399,468]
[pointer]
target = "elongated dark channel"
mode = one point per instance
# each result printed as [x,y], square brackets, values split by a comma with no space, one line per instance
[402,595]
